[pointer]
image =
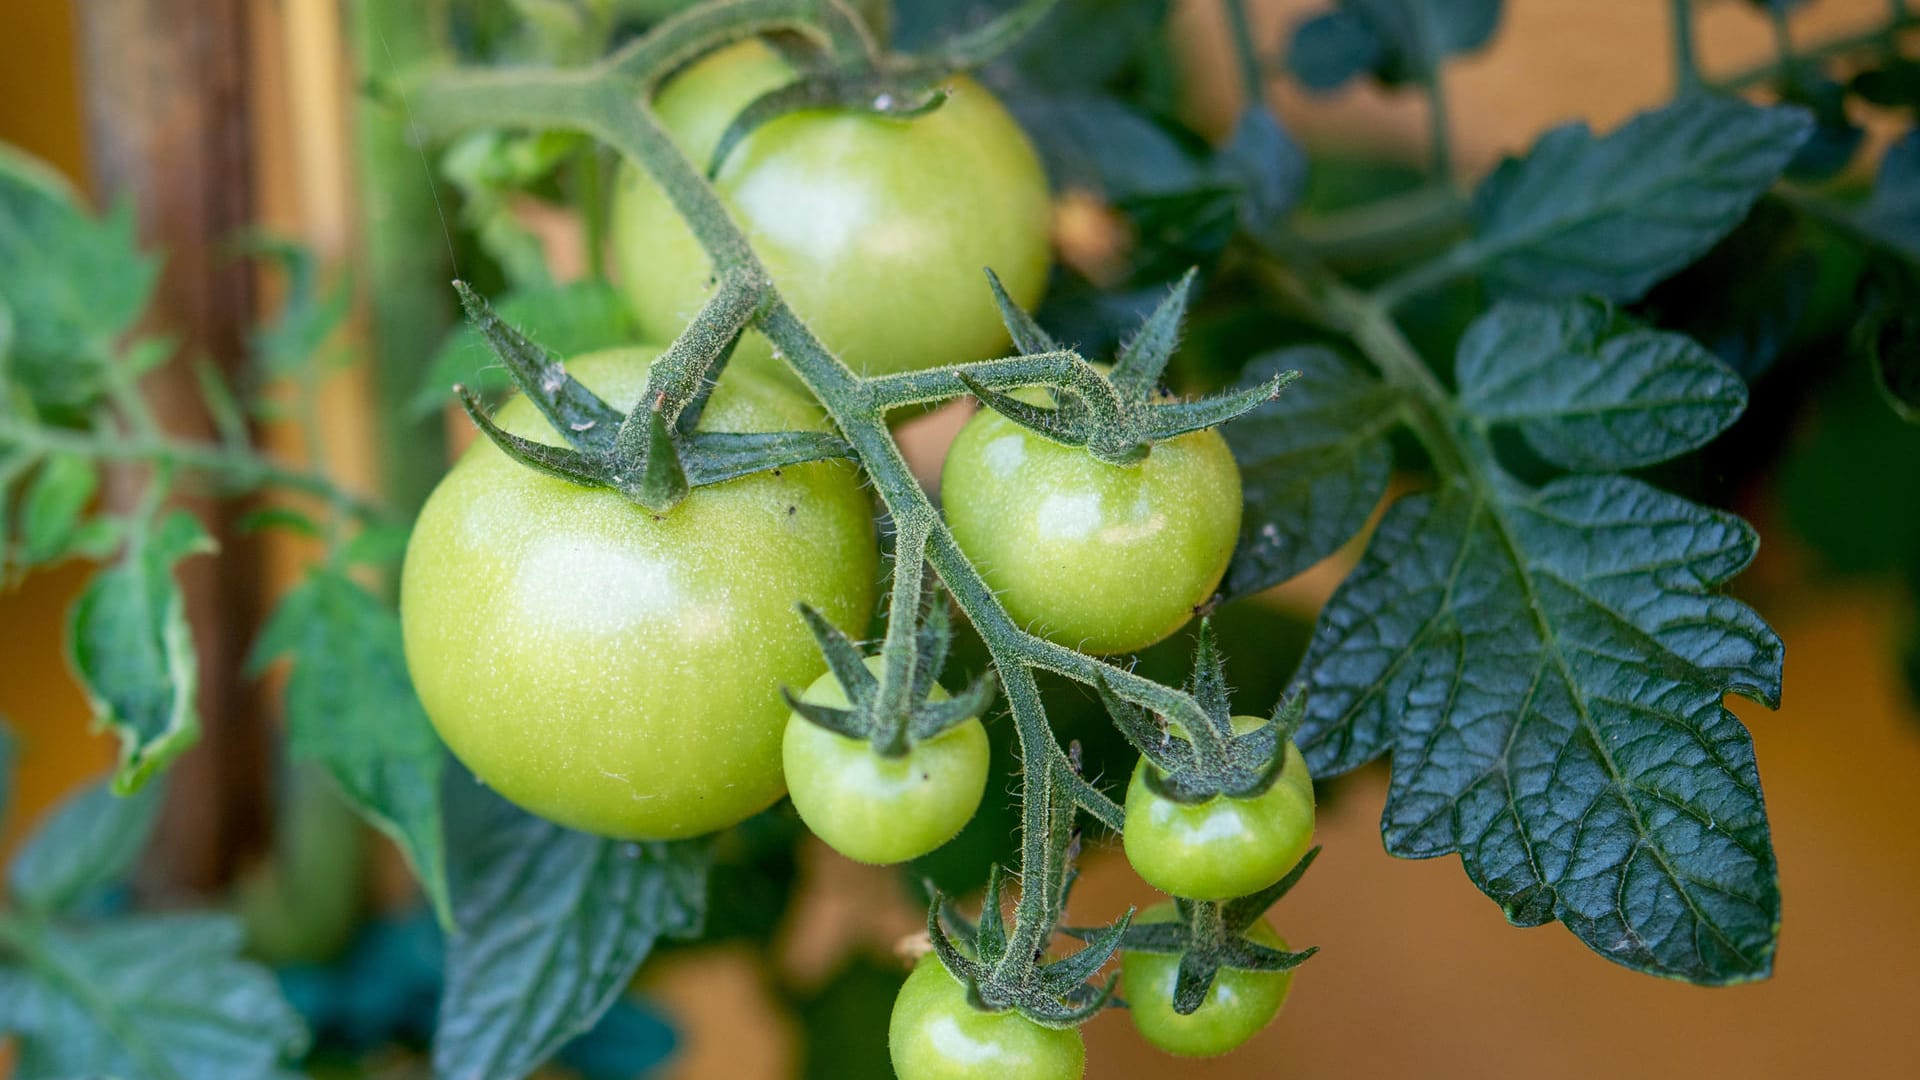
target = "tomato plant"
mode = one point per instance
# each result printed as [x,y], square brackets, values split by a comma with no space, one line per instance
[517,584]
[1237,1006]
[647,601]
[937,1034]
[882,807]
[874,227]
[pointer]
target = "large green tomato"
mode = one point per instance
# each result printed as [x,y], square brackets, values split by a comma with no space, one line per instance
[1224,847]
[879,809]
[619,671]
[875,229]
[1237,1005]
[1105,558]
[936,1035]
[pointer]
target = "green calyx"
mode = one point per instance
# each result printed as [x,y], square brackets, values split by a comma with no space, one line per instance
[1118,416]
[1194,759]
[895,86]
[998,976]
[902,705]
[652,455]
[1209,936]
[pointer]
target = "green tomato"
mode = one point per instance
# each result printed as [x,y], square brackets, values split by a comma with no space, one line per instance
[1236,1008]
[1105,558]
[875,229]
[619,671]
[879,809]
[1224,847]
[936,1035]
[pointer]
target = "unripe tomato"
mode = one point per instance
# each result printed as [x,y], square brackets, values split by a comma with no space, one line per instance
[1104,558]
[875,229]
[1237,1006]
[936,1035]
[1224,847]
[879,809]
[613,669]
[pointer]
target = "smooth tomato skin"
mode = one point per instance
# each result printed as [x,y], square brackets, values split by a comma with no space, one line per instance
[875,809]
[1103,558]
[936,1035]
[1237,1006]
[619,671]
[874,229]
[1224,847]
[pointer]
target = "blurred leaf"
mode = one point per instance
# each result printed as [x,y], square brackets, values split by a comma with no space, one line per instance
[128,641]
[89,842]
[1080,44]
[1592,390]
[1104,145]
[50,512]
[629,1041]
[9,755]
[1546,668]
[377,544]
[1844,483]
[845,1021]
[1887,336]
[1748,298]
[1269,166]
[1615,214]
[161,997]
[73,284]
[1397,40]
[1835,139]
[553,924]
[291,341]
[750,885]
[352,708]
[566,320]
[1892,215]
[1895,83]
[1313,464]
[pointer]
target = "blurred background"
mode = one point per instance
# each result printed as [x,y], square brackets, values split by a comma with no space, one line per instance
[213,115]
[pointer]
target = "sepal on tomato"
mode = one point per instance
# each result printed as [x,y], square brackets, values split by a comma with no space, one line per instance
[1214,759]
[1209,936]
[653,455]
[1120,415]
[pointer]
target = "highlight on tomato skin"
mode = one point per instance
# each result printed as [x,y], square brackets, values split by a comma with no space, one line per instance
[874,228]
[565,641]
[1238,1006]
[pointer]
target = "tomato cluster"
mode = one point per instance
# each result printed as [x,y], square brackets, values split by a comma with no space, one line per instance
[621,671]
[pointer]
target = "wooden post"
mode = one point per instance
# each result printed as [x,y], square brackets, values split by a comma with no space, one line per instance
[166,106]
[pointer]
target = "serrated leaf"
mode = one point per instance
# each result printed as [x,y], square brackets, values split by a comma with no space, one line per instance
[1613,215]
[1547,669]
[90,841]
[129,644]
[566,320]
[158,997]
[1591,390]
[553,924]
[73,282]
[50,511]
[1313,464]
[352,708]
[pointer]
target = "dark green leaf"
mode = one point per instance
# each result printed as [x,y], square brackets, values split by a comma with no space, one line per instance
[1078,44]
[1615,214]
[158,997]
[1895,83]
[351,707]
[1313,465]
[1107,146]
[50,512]
[1269,166]
[128,641]
[844,1022]
[566,320]
[1835,139]
[1892,216]
[1333,47]
[553,924]
[1591,390]
[73,283]
[1396,40]
[89,842]
[1547,669]
[1747,298]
